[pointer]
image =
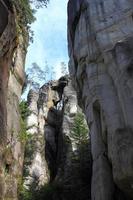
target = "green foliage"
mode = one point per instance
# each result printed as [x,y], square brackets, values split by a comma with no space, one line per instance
[40,3]
[29,154]
[26,15]
[79,132]
[23,135]
[24,11]
[24,194]
[24,111]
[48,191]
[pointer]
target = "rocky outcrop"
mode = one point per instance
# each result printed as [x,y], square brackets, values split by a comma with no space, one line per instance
[12,57]
[100,50]
[35,165]
[56,158]
[74,157]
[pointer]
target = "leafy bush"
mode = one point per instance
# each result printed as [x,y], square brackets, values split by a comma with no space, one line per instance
[24,110]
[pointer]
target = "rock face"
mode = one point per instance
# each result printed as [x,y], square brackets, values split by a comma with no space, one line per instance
[14,146]
[35,162]
[100,35]
[74,162]
[55,158]
[7,45]
[12,56]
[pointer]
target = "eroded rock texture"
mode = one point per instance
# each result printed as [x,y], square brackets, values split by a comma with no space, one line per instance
[54,157]
[74,161]
[12,56]
[100,37]
[35,165]
[7,45]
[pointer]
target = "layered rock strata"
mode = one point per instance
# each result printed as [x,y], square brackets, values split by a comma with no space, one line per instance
[100,35]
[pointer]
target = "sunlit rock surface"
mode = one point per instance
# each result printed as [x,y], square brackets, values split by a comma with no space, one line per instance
[34,161]
[54,154]
[100,43]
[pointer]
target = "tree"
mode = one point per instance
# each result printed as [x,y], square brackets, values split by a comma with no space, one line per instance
[49,72]
[63,69]
[40,3]
[26,16]
[35,76]
[79,132]
[52,73]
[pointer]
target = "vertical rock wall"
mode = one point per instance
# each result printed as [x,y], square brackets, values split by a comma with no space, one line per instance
[14,125]
[54,157]
[12,57]
[35,166]
[7,45]
[74,160]
[44,124]
[100,35]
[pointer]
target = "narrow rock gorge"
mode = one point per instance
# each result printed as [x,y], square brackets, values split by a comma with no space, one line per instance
[100,35]
[51,154]
[53,157]
[44,162]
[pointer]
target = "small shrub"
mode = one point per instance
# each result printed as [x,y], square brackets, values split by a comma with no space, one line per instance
[24,110]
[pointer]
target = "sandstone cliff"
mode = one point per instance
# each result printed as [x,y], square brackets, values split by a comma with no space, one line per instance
[55,159]
[100,35]
[12,57]
[51,155]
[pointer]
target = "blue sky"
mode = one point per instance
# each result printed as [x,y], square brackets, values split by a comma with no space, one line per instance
[50,36]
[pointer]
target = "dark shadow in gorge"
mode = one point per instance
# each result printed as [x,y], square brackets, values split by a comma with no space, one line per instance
[70,172]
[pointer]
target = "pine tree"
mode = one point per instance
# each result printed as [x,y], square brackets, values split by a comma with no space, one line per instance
[79,131]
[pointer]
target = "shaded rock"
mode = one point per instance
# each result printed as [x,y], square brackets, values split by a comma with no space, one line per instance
[12,57]
[100,50]
[67,167]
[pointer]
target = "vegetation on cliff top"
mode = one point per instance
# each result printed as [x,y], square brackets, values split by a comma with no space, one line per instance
[25,15]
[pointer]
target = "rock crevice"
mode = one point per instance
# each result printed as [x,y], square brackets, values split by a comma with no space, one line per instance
[62,161]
